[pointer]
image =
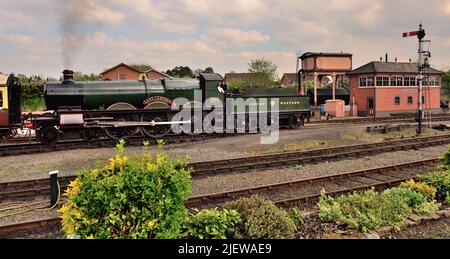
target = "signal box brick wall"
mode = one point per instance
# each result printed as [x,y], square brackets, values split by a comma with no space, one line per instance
[393,89]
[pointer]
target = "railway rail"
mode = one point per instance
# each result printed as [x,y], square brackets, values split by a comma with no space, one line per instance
[298,201]
[402,119]
[39,187]
[35,147]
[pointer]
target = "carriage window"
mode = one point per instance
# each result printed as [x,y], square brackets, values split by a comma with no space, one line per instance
[410,100]
[1,99]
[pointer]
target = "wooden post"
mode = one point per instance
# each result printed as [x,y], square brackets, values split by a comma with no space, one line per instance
[315,90]
[333,76]
[53,188]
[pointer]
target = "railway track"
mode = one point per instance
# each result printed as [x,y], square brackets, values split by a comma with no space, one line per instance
[39,187]
[382,177]
[214,198]
[400,119]
[35,147]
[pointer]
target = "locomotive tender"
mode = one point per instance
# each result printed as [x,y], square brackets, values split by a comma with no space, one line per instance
[121,109]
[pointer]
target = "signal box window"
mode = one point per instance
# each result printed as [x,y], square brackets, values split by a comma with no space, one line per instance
[394,81]
[370,82]
[410,100]
[397,100]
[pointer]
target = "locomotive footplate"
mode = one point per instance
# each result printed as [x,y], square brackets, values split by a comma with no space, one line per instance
[118,124]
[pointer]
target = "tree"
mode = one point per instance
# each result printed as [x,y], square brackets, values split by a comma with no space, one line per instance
[86,77]
[446,80]
[181,72]
[265,67]
[141,67]
[209,70]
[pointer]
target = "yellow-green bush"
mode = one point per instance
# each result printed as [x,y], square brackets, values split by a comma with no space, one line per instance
[135,197]
[439,180]
[261,219]
[426,190]
[370,210]
[211,224]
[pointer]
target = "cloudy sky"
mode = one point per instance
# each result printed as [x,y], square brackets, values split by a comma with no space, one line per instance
[46,36]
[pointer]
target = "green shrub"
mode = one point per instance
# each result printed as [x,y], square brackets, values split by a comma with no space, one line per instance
[297,217]
[410,197]
[446,160]
[212,224]
[427,208]
[261,219]
[329,209]
[136,197]
[426,190]
[439,180]
[370,210]
[447,200]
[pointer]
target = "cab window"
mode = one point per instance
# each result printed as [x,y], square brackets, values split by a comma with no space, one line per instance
[1,99]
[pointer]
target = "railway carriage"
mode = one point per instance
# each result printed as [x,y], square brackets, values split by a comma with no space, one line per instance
[10,113]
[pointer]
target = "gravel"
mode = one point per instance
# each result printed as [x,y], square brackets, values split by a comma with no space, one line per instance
[240,181]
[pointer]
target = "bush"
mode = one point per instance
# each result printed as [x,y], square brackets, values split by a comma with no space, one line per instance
[297,217]
[212,224]
[370,210]
[439,180]
[447,200]
[426,190]
[261,219]
[136,197]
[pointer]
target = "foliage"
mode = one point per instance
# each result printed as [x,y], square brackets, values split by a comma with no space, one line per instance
[32,105]
[446,80]
[446,160]
[439,180]
[261,219]
[141,67]
[447,200]
[297,217]
[33,90]
[370,210]
[256,82]
[137,197]
[212,224]
[426,190]
[180,72]
[264,67]
[209,70]
[86,77]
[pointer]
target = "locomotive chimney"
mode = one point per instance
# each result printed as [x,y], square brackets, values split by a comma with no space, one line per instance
[67,76]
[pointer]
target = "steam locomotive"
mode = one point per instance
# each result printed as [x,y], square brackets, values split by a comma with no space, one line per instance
[122,109]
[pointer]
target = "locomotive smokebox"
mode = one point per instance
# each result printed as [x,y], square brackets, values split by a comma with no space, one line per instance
[68,76]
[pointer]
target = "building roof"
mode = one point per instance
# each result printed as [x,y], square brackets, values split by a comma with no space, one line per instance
[391,67]
[292,77]
[211,77]
[252,77]
[158,72]
[325,54]
[120,65]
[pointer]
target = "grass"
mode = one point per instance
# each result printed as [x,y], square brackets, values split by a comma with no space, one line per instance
[378,137]
[33,105]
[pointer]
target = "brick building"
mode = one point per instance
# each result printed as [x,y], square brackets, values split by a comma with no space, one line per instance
[289,79]
[125,72]
[383,88]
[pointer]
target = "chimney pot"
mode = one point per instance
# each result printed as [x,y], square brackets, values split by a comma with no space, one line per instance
[410,60]
[395,60]
[386,57]
[381,59]
[68,76]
